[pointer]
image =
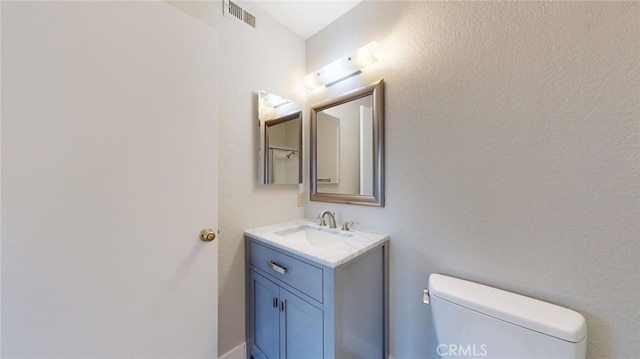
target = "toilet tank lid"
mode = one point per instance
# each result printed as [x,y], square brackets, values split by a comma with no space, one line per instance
[517,309]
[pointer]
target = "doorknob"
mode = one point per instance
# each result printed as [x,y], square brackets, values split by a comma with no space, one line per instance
[207,235]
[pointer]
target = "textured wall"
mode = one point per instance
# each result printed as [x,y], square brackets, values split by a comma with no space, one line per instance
[512,155]
[270,59]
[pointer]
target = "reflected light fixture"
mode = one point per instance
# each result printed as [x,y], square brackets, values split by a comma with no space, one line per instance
[342,68]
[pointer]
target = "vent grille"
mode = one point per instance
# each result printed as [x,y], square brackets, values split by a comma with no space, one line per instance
[234,11]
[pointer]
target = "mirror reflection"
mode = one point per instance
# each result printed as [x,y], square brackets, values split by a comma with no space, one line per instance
[345,140]
[346,148]
[280,149]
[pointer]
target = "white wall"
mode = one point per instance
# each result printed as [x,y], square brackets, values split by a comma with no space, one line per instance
[512,155]
[270,59]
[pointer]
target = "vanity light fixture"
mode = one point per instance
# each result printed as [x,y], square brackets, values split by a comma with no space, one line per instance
[274,101]
[342,68]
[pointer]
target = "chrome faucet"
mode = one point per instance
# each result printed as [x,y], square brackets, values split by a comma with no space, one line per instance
[345,226]
[332,219]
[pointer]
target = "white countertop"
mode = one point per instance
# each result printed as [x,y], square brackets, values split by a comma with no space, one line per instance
[350,244]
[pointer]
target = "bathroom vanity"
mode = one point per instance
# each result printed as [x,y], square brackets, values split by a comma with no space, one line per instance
[315,292]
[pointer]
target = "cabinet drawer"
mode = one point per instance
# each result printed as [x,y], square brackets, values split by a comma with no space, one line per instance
[296,273]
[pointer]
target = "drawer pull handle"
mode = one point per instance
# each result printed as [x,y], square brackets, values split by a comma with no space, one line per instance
[278,268]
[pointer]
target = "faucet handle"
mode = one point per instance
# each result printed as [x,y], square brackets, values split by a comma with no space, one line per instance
[322,221]
[345,225]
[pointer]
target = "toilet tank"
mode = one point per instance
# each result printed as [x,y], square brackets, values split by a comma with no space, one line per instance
[477,321]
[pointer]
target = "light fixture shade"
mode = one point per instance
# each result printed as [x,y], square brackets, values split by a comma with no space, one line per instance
[274,101]
[342,68]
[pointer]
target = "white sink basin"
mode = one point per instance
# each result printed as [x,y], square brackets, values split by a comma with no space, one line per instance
[318,237]
[330,247]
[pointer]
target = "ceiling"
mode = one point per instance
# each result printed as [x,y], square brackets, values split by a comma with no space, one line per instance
[306,17]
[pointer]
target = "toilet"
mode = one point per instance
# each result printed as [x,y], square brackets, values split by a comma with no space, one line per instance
[477,321]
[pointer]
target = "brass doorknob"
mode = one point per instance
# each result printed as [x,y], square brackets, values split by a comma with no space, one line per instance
[207,235]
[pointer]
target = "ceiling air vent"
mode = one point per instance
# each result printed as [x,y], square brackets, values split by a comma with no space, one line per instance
[234,11]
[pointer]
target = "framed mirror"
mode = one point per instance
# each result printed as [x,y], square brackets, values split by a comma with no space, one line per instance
[280,144]
[347,148]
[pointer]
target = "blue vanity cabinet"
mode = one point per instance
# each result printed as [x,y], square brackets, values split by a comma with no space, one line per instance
[266,320]
[298,308]
[300,327]
[284,325]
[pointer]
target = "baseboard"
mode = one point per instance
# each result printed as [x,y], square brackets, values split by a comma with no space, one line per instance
[238,352]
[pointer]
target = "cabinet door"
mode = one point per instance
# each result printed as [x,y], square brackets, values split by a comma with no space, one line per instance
[301,328]
[266,317]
